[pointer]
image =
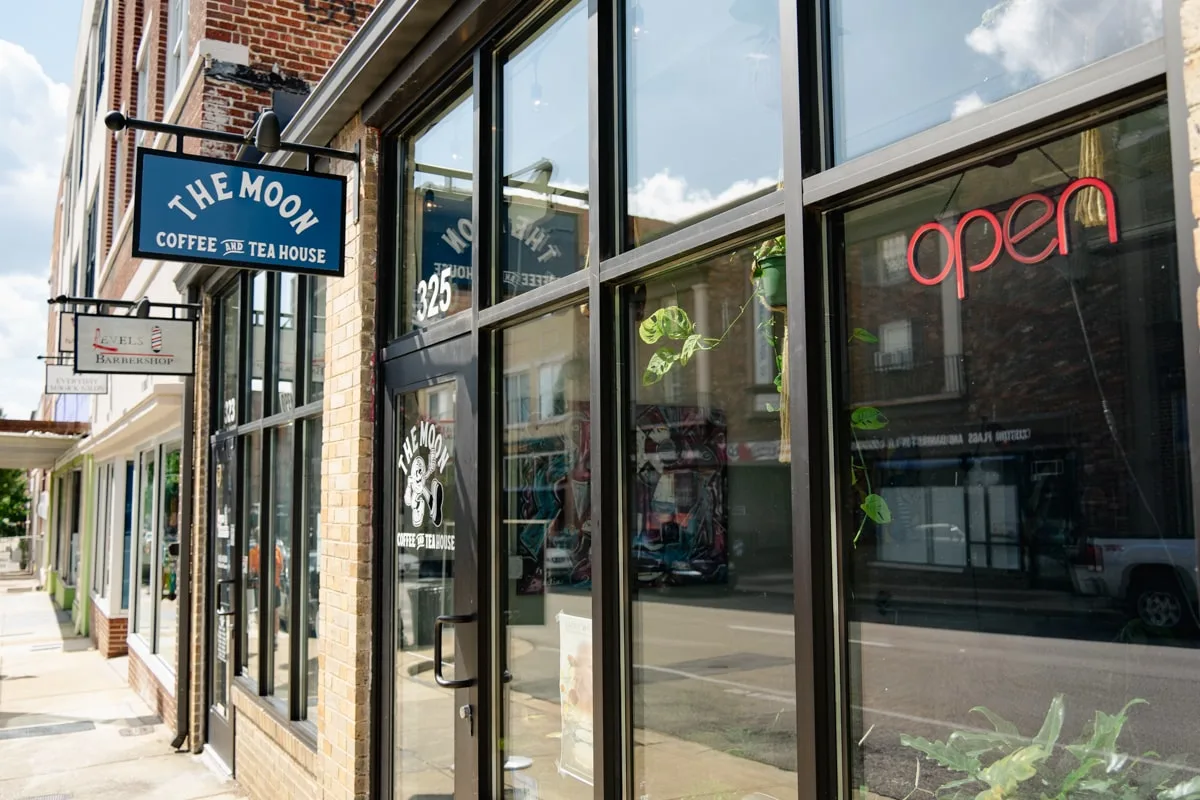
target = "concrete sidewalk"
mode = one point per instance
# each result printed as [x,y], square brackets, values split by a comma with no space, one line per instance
[70,726]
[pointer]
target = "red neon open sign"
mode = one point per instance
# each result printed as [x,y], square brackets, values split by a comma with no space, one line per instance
[1005,237]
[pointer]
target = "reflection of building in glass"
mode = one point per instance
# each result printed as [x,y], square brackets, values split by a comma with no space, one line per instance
[1043,409]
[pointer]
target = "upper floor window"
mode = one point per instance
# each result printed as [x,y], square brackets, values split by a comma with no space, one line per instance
[101,52]
[177,18]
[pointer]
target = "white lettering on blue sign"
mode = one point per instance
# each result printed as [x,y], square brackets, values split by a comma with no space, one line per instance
[271,195]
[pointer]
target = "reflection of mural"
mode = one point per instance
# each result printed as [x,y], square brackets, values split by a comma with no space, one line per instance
[549,489]
[680,496]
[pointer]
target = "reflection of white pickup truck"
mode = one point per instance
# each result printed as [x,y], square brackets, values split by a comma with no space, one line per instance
[1156,577]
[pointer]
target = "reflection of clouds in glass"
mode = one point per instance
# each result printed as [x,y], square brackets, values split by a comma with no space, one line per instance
[967,104]
[668,198]
[1048,38]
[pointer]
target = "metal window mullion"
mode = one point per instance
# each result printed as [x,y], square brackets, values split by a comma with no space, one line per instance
[1189,279]
[303,327]
[612,775]
[297,624]
[811,767]
[271,339]
[266,568]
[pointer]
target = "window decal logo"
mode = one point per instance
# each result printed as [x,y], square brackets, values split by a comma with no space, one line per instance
[423,459]
[1004,237]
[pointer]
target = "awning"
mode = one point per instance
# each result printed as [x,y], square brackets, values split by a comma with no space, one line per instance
[36,444]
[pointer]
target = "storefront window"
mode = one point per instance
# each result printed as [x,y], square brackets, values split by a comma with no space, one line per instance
[312,583]
[901,68]
[437,227]
[251,530]
[546,531]
[703,109]
[1017,511]
[168,559]
[285,343]
[545,155]
[144,602]
[227,411]
[709,516]
[258,341]
[282,594]
[315,389]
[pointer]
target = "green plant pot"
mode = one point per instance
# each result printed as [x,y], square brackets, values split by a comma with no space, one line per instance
[772,280]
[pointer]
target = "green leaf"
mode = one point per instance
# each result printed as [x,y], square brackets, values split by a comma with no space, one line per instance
[693,344]
[660,363]
[1052,726]
[943,753]
[670,321]
[877,509]
[979,743]
[868,418]
[1188,790]
[998,722]
[863,335]
[1004,775]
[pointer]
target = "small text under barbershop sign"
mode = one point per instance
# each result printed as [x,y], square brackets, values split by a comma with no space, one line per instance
[193,209]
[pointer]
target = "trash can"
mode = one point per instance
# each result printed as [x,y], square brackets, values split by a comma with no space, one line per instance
[426,603]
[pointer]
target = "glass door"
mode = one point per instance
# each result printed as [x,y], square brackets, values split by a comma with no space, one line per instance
[431,718]
[223,631]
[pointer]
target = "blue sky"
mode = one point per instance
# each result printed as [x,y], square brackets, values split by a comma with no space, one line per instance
[37,54]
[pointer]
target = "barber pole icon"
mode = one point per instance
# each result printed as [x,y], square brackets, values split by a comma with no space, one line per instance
[156,339]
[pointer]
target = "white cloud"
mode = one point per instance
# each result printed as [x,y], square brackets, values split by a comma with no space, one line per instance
[22,338]
[32,133]
[1048,38]
[967,104]
[668,198]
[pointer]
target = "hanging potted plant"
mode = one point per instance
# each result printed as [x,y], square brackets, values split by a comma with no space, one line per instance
[769,272]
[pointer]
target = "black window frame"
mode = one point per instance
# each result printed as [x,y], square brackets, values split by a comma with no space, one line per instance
[293,709]
[816,190]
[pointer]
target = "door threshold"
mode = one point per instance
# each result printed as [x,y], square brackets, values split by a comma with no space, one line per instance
[215,762]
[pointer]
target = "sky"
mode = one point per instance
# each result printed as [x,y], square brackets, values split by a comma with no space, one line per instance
[37,55]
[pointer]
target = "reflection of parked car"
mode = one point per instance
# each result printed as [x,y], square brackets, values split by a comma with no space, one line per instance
[1156,577]
[557,561]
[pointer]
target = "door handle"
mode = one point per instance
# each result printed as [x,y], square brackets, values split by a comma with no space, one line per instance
[438,624]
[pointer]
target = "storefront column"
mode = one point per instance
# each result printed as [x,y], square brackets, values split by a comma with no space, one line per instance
[347,501]
[198,536]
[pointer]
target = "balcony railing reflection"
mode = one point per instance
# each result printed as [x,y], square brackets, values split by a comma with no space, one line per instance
[896,376]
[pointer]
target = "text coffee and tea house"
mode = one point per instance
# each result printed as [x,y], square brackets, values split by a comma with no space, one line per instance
[686,422]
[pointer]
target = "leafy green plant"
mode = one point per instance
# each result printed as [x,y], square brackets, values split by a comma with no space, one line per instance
[1001,764]
[771,248]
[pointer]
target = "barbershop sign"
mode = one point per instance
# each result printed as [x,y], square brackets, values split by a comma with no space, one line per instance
[214,211]
[134,345]
[1007,234]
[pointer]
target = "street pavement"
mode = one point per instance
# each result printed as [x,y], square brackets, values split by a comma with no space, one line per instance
[70,726]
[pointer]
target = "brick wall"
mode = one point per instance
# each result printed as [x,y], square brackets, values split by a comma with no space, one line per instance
[344,651]
[144,682]
[108,633]
[272,762]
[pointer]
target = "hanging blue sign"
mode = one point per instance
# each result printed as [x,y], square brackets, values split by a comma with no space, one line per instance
[215,211]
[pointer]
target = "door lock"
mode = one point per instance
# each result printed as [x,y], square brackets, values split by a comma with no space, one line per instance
[467,713]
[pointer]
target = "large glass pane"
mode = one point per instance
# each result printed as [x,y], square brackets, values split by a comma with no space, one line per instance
[435,278]
[545,156]
[708,502]
[315,389]
[258,342]
[1017,524]
[230,367]
[424,713]
[251,529]
[168,558]
[312,536]
[546,535]
[702,100]
[226,525]
[282,593]
[285,343]
[143,611]
[900,68]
